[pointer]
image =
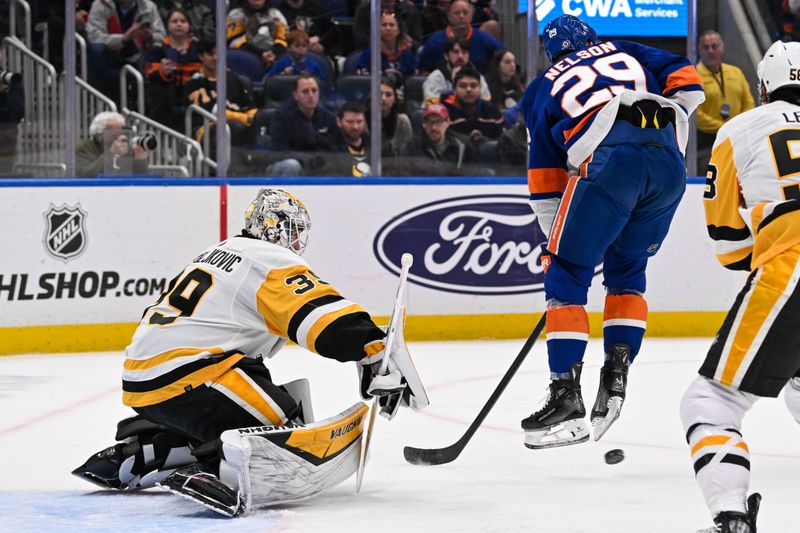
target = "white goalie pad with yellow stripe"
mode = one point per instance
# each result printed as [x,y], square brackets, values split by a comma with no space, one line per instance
[270,465]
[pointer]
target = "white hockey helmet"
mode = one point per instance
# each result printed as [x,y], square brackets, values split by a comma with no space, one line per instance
[278,217]
[780,67]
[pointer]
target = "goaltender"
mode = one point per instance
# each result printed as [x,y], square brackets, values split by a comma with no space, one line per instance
[211,423]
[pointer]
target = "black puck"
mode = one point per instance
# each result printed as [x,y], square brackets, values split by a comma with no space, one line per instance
[614,456]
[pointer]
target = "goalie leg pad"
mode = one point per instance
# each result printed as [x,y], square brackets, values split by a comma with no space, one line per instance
[270,465]
[275,465]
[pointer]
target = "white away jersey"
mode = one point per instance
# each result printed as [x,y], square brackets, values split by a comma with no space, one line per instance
[752,191]
[240,298]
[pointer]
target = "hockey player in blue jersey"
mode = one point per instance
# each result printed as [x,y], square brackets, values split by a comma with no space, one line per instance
[616,113]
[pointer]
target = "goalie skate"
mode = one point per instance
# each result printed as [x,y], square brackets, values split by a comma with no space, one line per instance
[198,485]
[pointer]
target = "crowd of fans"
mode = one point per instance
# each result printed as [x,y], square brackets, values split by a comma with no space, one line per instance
[298,81]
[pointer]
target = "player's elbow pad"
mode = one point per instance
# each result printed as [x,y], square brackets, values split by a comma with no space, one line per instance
[545,211]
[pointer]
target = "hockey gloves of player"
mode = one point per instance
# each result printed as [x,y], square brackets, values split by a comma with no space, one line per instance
[545,210]
[389,388]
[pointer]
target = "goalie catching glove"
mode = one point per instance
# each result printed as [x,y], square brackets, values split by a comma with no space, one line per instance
[399,386]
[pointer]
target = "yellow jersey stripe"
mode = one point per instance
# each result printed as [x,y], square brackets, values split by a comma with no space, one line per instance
[195,379]
[278,301]
[722,208]
[164,357]
[735,256]
[761,302]
[239,386]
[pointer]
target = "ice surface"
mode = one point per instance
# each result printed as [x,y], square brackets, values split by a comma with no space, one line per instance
[56,410]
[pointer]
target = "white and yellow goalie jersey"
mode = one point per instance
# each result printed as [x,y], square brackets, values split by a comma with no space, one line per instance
[243,297]
[752,195]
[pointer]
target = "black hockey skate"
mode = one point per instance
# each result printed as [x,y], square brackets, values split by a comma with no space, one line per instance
[560,420]
[197,483]
[611,392]
[102,468]
[734,522]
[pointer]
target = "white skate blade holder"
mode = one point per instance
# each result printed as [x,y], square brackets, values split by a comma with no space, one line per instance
[601,425]
[563,434]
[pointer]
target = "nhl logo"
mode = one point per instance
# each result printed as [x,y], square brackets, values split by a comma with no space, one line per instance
[65,232]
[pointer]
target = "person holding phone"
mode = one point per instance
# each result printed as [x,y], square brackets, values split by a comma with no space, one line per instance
[118,32]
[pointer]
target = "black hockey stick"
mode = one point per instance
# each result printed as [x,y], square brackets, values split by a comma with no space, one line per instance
[440,456]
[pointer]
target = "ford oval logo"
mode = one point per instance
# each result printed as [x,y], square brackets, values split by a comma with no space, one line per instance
[485,244]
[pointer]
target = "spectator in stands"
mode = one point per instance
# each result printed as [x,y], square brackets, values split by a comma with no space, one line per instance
[433,17]
[504,80]
[727,94]
[481,44]
[350,143]
[109,150]
[82,8]
[119,31]
[12,111]
[784,14]
[397,57]
[296,60]
[201,90]
[438,151]
[258,28]
[439,83]
[485,17]
[302,125]
[395,126]
[201,18]
[168,68]
[406,13]
[512,148]
[311,17]
[469,114]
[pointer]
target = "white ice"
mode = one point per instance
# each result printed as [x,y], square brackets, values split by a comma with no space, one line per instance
[56,410]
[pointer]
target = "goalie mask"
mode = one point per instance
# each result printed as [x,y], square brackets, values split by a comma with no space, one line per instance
[278,217]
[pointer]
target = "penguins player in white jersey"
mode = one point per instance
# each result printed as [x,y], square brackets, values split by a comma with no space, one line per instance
[752,206]
[211,424]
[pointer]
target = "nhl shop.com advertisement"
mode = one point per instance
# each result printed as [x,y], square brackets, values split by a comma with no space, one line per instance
[89,255]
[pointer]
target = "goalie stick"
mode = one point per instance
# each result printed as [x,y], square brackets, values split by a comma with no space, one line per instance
[396,320]
[440,456]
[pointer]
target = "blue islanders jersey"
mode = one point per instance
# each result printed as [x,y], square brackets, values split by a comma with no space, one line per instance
[571,107]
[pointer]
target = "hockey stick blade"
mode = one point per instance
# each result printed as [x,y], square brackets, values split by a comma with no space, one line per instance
[448,454]
[433,456]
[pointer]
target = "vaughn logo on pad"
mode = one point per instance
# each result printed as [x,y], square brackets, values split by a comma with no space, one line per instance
[484,244]
[65,231]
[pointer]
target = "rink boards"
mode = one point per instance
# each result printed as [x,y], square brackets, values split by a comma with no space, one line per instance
[82,259]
